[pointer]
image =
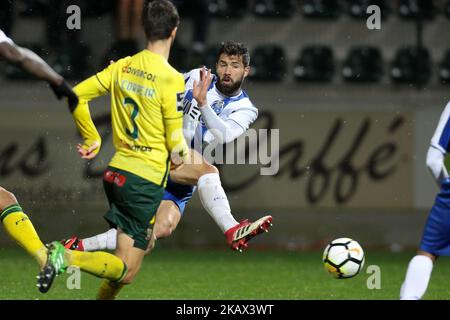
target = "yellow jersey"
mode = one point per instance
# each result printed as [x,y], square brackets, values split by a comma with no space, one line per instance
[146,113]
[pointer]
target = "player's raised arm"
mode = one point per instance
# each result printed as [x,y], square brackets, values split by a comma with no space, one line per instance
[36,66]
[87,90]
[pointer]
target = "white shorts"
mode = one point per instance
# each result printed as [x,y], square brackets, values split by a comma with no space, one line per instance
[4,38]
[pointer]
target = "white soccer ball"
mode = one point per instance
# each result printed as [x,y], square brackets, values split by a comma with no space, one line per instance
[343,258]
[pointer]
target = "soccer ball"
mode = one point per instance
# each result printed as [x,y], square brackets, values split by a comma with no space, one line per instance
[343,258]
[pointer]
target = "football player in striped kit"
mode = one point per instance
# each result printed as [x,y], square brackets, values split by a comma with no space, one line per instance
[219,115]
[436,235]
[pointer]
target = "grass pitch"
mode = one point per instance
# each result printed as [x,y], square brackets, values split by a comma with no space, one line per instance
[207,274]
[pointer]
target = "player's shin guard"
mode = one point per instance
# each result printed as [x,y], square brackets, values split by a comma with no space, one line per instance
[19,227]
[215,201]
[100,264]
[109,290]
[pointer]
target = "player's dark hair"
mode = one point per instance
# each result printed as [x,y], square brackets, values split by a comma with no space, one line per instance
[159,19]
[232,48]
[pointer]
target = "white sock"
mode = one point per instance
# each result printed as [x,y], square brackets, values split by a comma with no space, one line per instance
[417,278]
[215,200]
[102,241]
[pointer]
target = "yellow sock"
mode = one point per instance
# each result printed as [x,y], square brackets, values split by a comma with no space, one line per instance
[100,264]
[109,290]
[20,228]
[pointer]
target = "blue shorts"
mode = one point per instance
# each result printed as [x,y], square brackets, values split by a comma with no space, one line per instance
[436,236]
[178,193]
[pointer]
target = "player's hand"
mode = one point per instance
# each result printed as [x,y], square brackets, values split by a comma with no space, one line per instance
[176,160]
[175,166]
[64,90]
[200,88]
[90,152]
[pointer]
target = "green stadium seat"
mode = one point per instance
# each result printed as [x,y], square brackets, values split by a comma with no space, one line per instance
[268,63]
[363,64]
[358,8]
[273,8]
[412,9]
[228,8]
[323,9]
[315,64]
[411,65]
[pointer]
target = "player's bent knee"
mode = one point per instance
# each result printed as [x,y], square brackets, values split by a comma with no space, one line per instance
[6,199]
[163,231]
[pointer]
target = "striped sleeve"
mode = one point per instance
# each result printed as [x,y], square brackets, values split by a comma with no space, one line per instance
[441,136]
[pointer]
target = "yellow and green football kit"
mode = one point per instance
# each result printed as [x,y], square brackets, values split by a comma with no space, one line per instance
[147,117]
[146,113]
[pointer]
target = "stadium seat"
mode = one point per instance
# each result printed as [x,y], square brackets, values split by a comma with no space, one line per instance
[315,64]
[358,8]
[268,63]
[273,8]
[411,65]
[327,9]
[228,8]
[363,64]
[444,68]
[412,9]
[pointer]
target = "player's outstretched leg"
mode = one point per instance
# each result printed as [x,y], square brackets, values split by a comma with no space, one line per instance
[166,220]
[213,197]
[100,264]
[19,227]
[215,201]
[417,276]
[197,171]
[102,241]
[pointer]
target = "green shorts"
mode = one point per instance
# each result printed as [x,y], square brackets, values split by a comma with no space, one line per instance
[133,203]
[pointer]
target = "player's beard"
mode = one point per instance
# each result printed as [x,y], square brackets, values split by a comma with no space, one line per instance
[229,89]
